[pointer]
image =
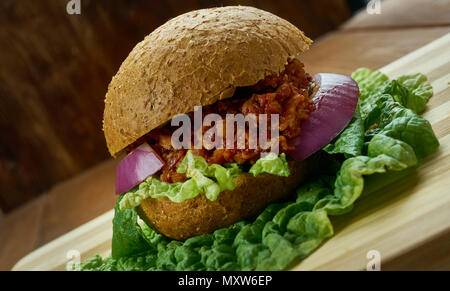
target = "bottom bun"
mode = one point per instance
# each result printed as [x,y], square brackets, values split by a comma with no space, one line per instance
[199,215]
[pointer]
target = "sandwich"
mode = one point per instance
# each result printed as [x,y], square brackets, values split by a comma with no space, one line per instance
[232,60]
[200,191]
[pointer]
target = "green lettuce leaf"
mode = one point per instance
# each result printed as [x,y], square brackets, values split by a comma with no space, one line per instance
[350,181]
[128,237]
[369,82]
[351,141]
[204,179]
[419,91]
[383,108]
[411,91]
[391,119]
[272,164]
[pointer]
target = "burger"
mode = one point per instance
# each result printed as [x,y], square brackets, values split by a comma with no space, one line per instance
[187,193]
[231,60]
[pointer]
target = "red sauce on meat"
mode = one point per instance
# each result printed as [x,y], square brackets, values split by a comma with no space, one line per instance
[287,95]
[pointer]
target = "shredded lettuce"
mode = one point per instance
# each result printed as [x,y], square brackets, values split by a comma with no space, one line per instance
[385,135]
[205,179]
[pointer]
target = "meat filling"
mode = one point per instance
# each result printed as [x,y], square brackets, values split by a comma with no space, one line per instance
[288,94]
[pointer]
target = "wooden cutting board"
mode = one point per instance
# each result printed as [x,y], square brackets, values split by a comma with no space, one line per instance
[398,211]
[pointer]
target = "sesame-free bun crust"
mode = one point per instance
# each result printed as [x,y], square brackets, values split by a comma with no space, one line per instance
[192,60]
[199,215]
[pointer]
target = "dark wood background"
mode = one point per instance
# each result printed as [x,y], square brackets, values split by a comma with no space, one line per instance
[55,68]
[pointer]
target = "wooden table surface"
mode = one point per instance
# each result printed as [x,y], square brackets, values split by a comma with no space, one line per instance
[367,40]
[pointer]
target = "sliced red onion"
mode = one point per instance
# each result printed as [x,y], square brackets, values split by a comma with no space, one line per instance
[335,101]
[137,166]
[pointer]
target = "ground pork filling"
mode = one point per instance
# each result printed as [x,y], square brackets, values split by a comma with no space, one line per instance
[288,94]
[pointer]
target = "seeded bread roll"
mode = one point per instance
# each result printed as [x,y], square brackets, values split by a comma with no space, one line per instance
[192,60]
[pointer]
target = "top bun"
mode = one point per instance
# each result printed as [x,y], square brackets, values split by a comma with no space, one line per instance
[192,60]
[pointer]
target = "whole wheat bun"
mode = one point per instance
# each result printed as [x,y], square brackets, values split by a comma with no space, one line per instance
[199,215]
[192,60]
